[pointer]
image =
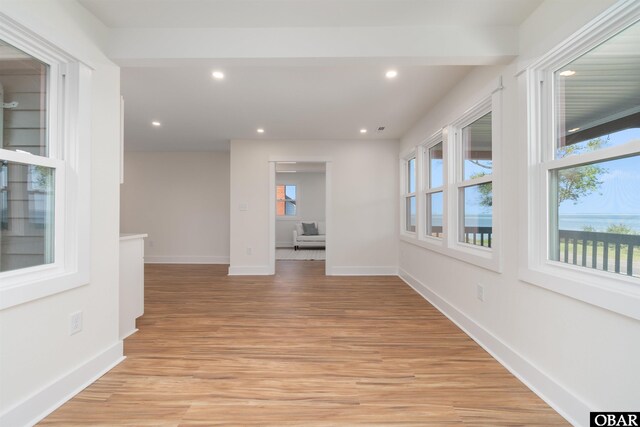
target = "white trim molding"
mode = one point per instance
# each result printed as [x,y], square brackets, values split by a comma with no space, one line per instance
[562,400]
[40,404]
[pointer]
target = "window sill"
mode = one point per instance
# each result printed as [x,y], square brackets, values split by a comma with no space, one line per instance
[52,284]
[610,291]
[480,257]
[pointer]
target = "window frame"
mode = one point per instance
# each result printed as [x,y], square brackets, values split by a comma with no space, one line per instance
[459,183]
[617,293]
[490,259]
[427,189]
[68,137]
[297,200]
[406,194]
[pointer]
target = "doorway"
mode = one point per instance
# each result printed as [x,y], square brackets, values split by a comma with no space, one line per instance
[299,206]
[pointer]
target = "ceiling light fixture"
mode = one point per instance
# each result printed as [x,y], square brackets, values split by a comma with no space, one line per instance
[260,130]
[567,73]
[391,74]
[156,123]
[287,163]
[574,129]
[363,131]
[218,75]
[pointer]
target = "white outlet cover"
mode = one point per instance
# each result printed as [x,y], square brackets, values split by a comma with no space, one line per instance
[75,322]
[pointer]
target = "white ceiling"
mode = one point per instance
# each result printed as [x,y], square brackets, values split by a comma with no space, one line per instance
[307,13]
[318,93]
[289,102]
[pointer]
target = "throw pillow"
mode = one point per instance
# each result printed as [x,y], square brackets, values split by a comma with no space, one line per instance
[309,229]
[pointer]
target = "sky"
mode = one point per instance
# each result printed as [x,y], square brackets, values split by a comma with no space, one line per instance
[619,192]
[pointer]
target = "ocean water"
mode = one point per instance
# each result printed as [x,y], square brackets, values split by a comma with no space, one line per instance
[577,222]
[599,222]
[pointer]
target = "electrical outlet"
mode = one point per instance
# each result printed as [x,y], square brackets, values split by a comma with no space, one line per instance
[249,251]
[75,322]
[480,292]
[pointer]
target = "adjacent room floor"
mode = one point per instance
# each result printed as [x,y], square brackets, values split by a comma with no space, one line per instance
[301,254]
[298,348]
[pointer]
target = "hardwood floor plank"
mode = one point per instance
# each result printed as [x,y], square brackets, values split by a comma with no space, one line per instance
[298,348]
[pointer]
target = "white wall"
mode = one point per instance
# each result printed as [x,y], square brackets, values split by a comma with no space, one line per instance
[311,193]
[36,351]
[579,356]
[364,224]
[181,200]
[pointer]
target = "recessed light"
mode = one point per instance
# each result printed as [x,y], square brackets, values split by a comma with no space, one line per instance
[218,75]
[363,131]
[574,129]
[156,123]
[260,130]
[391,74]
[567,73]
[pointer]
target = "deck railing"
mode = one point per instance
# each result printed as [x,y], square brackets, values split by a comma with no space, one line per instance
[595,249]
[583,248]
[475,235]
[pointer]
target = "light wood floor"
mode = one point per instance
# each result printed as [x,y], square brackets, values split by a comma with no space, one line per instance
[298,349]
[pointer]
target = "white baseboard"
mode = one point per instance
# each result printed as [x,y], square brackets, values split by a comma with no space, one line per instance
[51,397]
[162,259]
[250,270]
[365,271]
[555,395]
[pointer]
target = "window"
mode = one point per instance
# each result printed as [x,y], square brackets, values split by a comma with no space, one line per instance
[410,208]
[27,184]
[456,194]
[434,188]
[594,169]
[584,204]
[44,174]
[286,201]
[475,189]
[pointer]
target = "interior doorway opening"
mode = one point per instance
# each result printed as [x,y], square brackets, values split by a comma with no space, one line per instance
[299,202]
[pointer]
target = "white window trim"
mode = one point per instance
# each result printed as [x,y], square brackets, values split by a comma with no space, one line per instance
[295,217]
[404,192]
[490,259]
[68,110]
[617,293]
[425,188]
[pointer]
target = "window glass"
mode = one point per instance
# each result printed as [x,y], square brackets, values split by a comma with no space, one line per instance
[597,96]
[435,205]
[477,202]
[27,209]
[411,213]
[436,172]
[594,218]
[23,93]
[476,148]
[597,212]
[286,203]
[411,177]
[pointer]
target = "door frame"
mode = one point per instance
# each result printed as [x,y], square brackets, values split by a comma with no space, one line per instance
[327,207]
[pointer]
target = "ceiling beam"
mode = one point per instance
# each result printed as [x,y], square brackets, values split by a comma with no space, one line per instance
[431,45]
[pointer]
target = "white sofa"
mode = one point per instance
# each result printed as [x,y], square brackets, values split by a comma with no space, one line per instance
[300,240]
